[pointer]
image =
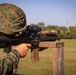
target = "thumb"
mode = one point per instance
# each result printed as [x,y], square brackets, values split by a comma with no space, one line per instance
[28,45]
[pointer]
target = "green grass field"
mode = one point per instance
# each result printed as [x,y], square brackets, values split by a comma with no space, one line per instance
[44,66]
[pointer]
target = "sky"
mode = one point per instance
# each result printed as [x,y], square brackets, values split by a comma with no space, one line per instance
[51,12]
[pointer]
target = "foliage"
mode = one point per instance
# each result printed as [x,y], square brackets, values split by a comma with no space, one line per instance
[65,33]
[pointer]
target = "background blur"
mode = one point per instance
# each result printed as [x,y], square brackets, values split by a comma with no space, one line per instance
[51,12]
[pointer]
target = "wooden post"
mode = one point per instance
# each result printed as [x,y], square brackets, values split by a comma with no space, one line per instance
[58,59]
[58,56]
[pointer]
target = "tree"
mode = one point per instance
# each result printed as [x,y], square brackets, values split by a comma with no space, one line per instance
[41,24]
[32,24]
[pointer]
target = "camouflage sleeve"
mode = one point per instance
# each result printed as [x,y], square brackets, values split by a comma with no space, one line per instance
[9,64]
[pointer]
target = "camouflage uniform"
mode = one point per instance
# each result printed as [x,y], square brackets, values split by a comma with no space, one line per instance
[9,65]
[12,21]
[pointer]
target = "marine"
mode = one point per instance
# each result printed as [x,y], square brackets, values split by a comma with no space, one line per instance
[12,22]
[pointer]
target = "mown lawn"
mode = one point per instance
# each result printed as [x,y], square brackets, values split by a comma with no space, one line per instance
[70,57]
[44,66]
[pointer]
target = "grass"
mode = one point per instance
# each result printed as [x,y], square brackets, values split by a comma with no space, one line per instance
[70,57]
[44,66]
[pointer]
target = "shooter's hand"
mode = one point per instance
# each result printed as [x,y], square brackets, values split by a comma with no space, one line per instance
[23,49]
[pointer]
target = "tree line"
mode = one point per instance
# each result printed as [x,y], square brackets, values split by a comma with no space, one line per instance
[65,32]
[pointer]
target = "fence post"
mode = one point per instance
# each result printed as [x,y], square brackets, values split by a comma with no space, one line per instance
[58,55]
[58,59]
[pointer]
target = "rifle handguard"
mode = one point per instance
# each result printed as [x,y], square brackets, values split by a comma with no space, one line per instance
[4,41]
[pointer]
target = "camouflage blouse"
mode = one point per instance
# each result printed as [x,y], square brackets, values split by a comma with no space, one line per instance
[9,65]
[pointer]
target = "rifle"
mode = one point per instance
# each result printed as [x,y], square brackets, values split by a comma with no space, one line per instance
[31,35]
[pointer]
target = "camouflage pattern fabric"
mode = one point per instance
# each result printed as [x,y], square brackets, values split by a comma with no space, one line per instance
[9,65]
[0,70]
[12,19]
